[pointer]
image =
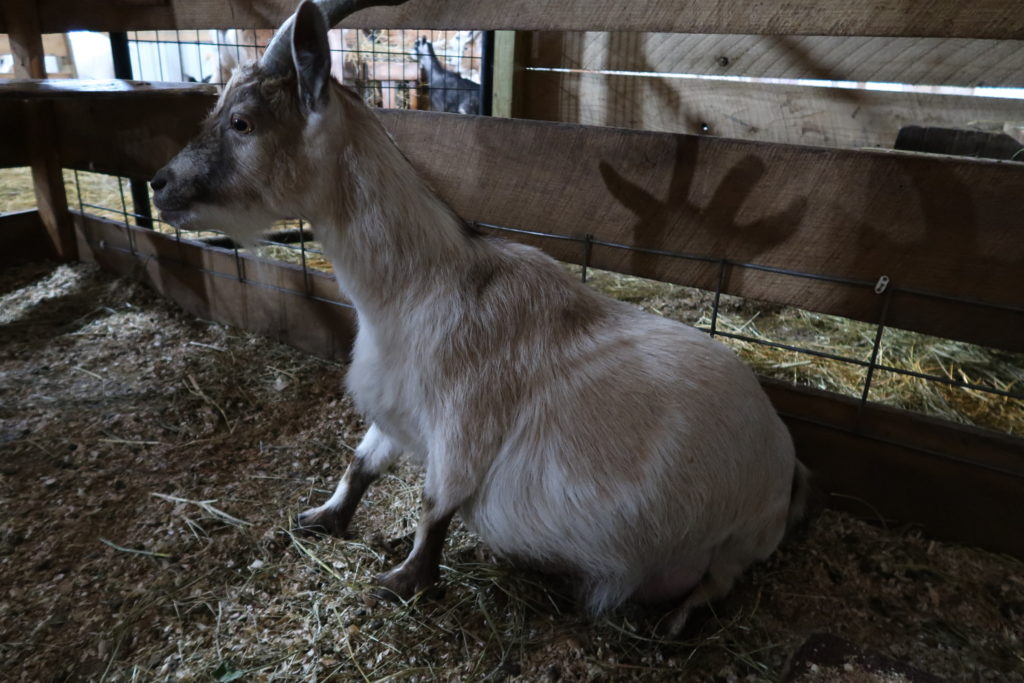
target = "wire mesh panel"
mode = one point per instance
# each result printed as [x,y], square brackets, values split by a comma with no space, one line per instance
[395,69]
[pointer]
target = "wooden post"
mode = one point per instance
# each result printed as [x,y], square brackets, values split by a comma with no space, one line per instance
[508,55]
[27,44]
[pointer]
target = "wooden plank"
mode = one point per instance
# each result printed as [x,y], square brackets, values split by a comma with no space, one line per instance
[940,18]
[14,150]
[57,88]
[795,114]
[507,82]
[921,61]
[265,297]
[934,224]
[959,483]
[23,238]
[26,42]
[129,136]
[40,130]
[54,45]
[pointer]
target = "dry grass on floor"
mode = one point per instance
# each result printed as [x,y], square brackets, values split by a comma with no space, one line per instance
[151,463]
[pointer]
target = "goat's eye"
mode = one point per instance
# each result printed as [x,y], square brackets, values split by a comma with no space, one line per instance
[241,124]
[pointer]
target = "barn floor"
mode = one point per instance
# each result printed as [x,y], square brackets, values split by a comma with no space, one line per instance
[150,465]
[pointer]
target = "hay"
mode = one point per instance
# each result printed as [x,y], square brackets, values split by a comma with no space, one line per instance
[151,463]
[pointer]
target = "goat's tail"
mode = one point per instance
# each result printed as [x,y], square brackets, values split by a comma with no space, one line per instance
[799,497]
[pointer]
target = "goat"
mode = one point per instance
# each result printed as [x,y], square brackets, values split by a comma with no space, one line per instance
[569,430]
[448,91]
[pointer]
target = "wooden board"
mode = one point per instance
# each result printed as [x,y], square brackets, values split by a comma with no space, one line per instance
[929,223]
[959,483]
[23,238]
[920,61]
[937,224]
[140,134]
[57,88]
[265,297]
[13,151]
[940,18]
[55,45]
[832,117]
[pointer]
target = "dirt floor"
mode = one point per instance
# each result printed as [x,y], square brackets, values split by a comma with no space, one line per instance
[151,463]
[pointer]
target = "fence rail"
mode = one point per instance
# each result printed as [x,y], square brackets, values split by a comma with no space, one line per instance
[939,18]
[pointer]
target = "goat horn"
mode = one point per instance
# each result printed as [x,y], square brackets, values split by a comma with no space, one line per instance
[278,56]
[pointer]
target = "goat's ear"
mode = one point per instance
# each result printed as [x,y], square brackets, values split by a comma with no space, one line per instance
[311,55]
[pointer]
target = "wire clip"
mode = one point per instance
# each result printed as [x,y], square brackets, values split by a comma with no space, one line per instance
[882,283]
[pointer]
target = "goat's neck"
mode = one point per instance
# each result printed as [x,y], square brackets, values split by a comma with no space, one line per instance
[391,240]
[431,64]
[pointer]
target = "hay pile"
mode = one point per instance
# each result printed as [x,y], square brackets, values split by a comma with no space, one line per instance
[151,463]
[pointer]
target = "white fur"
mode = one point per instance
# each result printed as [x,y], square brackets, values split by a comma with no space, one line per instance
[638,448]
[570,430]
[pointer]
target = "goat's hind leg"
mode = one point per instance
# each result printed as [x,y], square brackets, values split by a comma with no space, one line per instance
[374,455]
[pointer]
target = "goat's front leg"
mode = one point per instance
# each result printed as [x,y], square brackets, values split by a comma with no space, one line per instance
[421,568]
[450,480]
[374,455]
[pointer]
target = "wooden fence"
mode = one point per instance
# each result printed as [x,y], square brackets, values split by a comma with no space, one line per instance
[729,206]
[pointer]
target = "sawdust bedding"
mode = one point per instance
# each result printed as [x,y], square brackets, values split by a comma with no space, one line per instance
[151,463]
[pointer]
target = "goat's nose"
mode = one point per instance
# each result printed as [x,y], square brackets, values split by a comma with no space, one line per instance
[159,181]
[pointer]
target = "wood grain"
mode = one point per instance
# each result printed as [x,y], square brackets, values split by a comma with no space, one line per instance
[919,61]
[940,18]
[960,483]
[833,117]
[930,223]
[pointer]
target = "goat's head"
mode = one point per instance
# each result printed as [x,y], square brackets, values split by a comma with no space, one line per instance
[423,48]
[260,152]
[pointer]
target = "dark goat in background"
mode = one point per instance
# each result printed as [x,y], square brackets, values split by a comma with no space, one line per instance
[448,91]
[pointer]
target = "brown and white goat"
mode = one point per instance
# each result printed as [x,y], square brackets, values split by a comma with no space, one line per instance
[569,430]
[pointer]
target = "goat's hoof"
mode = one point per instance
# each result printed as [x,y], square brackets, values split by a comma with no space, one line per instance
[319,521]
[400,584]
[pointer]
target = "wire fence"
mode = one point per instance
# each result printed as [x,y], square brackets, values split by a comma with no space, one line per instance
[395,69]
[871,362]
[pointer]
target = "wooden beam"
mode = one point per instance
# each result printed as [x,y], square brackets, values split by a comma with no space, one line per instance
[266,297]
[139,133]
[509,49]
[40,129]
[74,88]
[14,150]
[940,18]
[959,483]
[26,41]
[23,238]
[931,224]
[794,114]
[920,61]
